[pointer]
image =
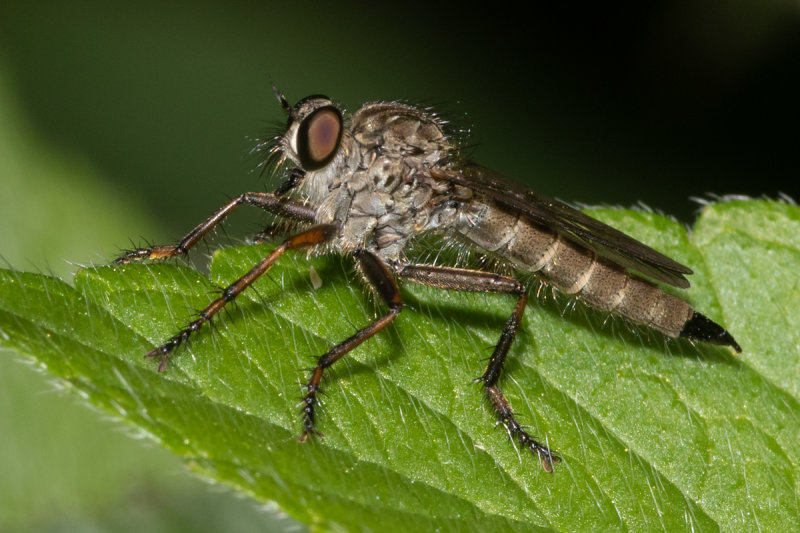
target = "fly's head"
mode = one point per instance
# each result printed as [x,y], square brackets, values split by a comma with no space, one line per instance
[313,133]
[314,141]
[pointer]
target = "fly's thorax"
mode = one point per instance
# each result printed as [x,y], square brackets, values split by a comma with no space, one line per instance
[571,268]
[397,128]
[379,190]
[388,203]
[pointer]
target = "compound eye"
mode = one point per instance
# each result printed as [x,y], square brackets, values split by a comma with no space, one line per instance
[318,138]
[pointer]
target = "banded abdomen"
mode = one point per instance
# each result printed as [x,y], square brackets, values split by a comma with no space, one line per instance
[580,272]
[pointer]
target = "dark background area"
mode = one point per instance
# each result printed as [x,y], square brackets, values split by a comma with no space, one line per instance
[601,104]
[639,102]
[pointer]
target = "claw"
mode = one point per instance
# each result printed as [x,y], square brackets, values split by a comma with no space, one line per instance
[156,252]
[132,255]
[547,458]
[309,433]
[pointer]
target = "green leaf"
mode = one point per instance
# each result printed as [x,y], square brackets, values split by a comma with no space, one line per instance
[654,434]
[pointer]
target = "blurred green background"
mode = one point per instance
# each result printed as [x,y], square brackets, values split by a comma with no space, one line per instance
[122,122]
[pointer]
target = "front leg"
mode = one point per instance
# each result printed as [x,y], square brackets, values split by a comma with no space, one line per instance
[478,281]
[267,201]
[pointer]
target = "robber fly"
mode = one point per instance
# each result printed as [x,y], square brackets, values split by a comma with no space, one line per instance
[369,184]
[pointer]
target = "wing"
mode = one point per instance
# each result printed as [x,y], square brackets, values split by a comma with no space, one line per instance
[580,228]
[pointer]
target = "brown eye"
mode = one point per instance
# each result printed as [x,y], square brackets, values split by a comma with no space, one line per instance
[318,138]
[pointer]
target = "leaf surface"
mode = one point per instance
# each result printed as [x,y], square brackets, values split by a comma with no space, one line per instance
[654,434]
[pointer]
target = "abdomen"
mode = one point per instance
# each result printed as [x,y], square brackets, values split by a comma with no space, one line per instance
[575,270]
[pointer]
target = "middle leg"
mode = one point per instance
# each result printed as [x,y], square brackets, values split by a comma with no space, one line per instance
[380,278]
[311,237]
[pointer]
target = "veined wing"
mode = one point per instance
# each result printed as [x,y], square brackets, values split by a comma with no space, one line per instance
[601,238]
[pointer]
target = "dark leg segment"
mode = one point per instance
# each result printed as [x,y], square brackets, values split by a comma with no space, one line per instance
[311,237]
[380,278]
[478,281]
[266,201]
[295,177]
